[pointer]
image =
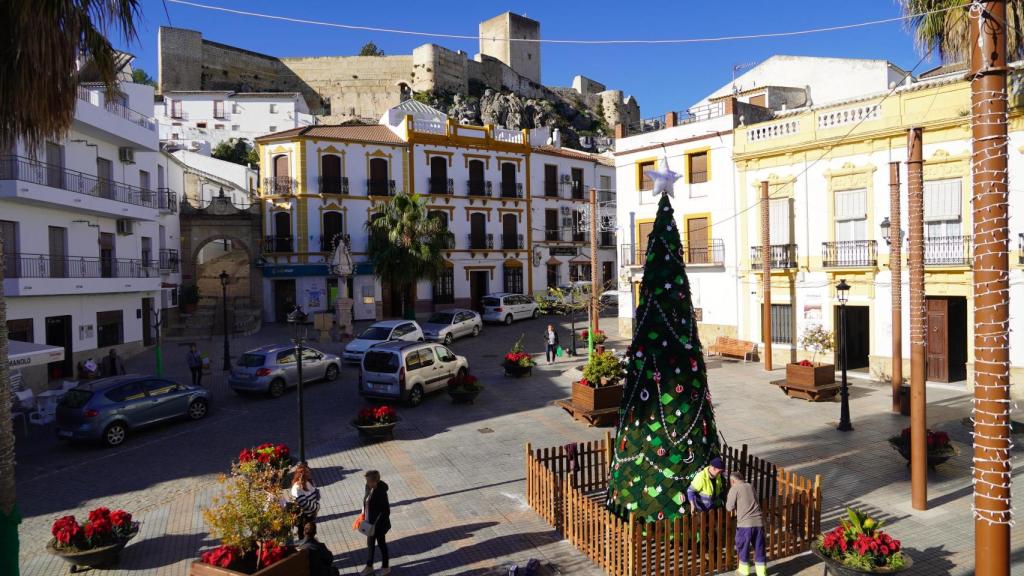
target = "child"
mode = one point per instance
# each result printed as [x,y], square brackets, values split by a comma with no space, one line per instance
[749,529]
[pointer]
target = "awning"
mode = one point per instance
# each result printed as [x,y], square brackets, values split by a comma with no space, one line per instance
[580,259]
[25,354]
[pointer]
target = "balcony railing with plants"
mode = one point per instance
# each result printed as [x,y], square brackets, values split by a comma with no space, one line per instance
[169,260]
[49,266]
[279,185]
[277,244]
[511,241]
[167,200]
[478,188]
[440,186]
[333,184]
[380,187]
[481,241]
[511,189]
[849,254]
[35,172]
[780,256]
[947,251]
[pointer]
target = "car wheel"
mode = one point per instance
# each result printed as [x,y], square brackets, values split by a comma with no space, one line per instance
[197,409]
[462,373]
[536,313]
[276,388]
[115,434]
[508,320]
[476,331]
[448,339]
[416,395]
[332,373]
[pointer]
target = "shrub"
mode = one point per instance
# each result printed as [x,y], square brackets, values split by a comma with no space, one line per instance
[604,365]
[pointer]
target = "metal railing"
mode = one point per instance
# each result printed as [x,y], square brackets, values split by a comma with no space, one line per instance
[481,241]
[277,244]
[511,189]
[169,260]
[554,235]
[849,253]
[712,254]
[333,184]
[551,188]
[118,109]
[606,239]
[576,190]
[35,172]
[448,241]
[512,242]
[46,266]
[947,251]
[279,185]
[478,188]
[780,256]
[167,200]
[440,186]
[380,187]
[695,114]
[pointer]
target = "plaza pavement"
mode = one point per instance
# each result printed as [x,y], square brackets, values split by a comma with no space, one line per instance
[456,472]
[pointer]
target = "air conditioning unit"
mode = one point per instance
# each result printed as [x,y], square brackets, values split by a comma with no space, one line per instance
[566,178]
[125,226]
[566,211]
[126,155]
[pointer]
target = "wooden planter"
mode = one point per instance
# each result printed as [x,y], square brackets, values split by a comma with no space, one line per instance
[813,383]
[295,565]
[586,398]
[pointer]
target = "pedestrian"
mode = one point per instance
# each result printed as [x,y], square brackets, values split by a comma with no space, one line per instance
[705,491]
[377,521]
[195,364]
[749,527]
[335,332]
[321,560]
[113,365]
[551,343]
[305,496]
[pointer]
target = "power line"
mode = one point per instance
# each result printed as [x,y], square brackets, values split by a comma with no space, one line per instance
[702,40]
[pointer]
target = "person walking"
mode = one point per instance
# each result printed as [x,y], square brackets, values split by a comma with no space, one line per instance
[551,343]
[321,560]
[113,365]
[749,526]
[195,365]
[305,496]
[377,515]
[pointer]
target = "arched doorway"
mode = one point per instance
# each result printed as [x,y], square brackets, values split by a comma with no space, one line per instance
[225,254]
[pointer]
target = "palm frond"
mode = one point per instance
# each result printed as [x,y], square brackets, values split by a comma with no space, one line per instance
[944,26]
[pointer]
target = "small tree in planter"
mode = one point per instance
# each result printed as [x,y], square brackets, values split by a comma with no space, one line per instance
[517,362]
[805,377]
[816,339]
[601,386]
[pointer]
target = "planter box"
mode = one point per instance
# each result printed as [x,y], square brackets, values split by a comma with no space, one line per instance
[834,567]
[808,376]
[377,431]
[94,558]
[517,371]
[295,565]
[588,399]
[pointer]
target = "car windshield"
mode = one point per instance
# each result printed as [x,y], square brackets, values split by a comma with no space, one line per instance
[251,360]
[379,361]
[492,302]
[75,398]
[441,318]
[375,333]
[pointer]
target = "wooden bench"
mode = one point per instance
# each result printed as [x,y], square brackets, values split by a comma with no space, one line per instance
[604,417]
[733,348]
[819,393]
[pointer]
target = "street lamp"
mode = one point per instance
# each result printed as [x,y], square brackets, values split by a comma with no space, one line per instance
[224,279]
[297,318]
[842,290]
[886,225]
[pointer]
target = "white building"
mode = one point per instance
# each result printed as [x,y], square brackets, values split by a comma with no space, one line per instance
[200,120]
[108,260]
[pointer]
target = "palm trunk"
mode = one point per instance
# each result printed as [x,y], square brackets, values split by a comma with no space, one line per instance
[9,518]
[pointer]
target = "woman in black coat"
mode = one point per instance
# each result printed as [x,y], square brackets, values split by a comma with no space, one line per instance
[377,511]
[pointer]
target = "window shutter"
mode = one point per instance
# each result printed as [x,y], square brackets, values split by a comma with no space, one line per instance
[779,221]
[851,204]
[942,200]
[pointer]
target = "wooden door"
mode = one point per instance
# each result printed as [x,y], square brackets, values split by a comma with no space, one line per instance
[58,239]
[937,340]
[439,175]
[147,321]
[697,240]
[477,289]
[508,180]
[477,186]
[509,232]
[106,255]
[643,231]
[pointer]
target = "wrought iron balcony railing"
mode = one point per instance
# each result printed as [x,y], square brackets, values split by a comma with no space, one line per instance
[478,188]
[710,254]
[440,185]
[167,200]
[947,251]
[779,256]
[333,184]
[512,242]
[35,172]
[481,241]
[169,260]
[380,187]
[49,266]
[277,244]
[279,185]
[511,189]
[849,254]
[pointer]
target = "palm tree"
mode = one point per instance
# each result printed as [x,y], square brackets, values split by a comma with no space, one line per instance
[942,25]
[40,46]
[405,243]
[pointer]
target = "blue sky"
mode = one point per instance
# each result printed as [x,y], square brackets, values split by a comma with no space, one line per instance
[661,77]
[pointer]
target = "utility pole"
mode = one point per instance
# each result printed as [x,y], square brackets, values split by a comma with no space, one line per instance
[159,351]
[990,194]
[595,293]
[896,275]
[766,277]
[918,327]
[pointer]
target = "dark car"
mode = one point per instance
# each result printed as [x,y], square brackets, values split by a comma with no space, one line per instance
[109,408]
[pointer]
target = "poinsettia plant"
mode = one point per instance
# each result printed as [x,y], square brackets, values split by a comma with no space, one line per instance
[464,383]
[599,335]
[938,442]
[860,543]
[273,455]
[102,528]
[372,416]
[517,356]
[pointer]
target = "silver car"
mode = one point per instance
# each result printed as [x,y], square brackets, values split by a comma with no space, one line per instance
[447,325]
[273,368]
[504,307]
[407,370]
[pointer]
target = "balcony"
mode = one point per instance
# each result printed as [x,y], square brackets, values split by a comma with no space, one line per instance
[849,254]
[478,188]
[25,274]
[279,186]
[440,186]
[575,190]
[606,239]
[511,189]
[169,261]
[481,241]
[512,242]
[333,184]
[167,200]
[947,251]
[277,244]
[108,118]
[781,256]
[380,187]
[710,254]
[328,242]
[38,182]
[448,241]
[553,235]
[550,188]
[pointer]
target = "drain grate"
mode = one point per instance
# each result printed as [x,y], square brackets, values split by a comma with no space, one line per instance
[485,430]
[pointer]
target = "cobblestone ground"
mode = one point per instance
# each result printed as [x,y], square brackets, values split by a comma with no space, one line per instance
[456,472]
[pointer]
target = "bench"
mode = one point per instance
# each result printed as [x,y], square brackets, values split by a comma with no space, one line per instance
[733,348]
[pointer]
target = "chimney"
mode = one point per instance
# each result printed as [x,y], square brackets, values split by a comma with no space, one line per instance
[670,119]
[620,131]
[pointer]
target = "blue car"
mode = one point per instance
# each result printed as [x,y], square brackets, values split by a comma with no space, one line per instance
[108,409]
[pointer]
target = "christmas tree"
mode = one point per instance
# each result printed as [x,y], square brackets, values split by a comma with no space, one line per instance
[666,432]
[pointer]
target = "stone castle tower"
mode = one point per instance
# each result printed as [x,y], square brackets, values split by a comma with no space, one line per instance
[523,57]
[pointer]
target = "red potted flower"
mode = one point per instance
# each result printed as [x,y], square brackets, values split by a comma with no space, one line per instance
[859,546]
[376,422]
[464,388]
[96,542]
[940,448]
[517,362]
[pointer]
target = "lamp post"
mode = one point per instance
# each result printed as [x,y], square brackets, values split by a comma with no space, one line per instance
[224,279]
[297,318]
[842,290]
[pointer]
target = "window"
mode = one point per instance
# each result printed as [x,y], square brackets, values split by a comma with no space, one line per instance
[9,235]
[578,233]
[218,126]
[158,387]
[851,215]
[644,179]
[286,357]
[143,179]
[413,361]
[200,124]
[444,354]
[577,183]
[758,100]
[109,328]
[175,108]
[782,323]
[513,279]
[218,108]
[779,226]
[550,180]
[20,330]
[273,108]
[942,208]
[235,108]
[444,287]
[273,128]
[235,127]
[130,391]
[698,167]
[553,275]
[551,224]
[309,355]
[426,358]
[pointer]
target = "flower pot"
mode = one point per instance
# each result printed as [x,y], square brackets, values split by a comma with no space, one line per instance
[933,459]
[517,371]
[376,431]
[92,558]
[463,396]
[293,565]
[587,398]
[838,569]
[806,376]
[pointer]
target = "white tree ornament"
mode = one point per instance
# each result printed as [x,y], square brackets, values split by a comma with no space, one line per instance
[664,179]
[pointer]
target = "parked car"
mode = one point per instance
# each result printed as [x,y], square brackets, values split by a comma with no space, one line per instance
[273,368]
[408,370]
[108,409]
[447,325]
[610,298]
[503,307]
[378,332]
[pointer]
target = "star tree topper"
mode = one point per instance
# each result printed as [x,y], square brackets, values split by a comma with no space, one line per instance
[664,179]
